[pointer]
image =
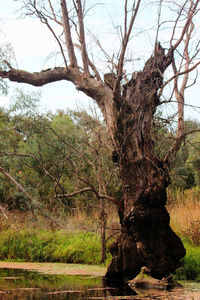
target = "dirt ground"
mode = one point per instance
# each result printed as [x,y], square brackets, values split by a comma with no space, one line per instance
[56,268]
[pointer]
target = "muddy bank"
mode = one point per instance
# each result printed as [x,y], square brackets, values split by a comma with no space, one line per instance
[56,268]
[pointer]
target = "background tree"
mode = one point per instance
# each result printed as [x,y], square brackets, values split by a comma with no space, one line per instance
[128,104]
[62,159]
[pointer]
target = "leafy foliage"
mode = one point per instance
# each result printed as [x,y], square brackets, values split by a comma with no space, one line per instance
[53,154]
[56,154]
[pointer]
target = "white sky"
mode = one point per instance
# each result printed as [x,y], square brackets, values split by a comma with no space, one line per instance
[32,43]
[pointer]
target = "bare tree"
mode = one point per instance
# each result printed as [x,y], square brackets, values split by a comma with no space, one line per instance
[128,105]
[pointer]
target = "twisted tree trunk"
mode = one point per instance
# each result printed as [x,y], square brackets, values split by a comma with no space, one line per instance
[146,238]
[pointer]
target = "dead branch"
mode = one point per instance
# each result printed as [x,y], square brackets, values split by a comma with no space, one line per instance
[176,22]
[84,55]
[180,91]
[88,189]
[92,66]
[68,36]
[125,43]
[54,15]
[192,11]
[37,78]
[178,74]
[83,190]
[71,146]
[56,38]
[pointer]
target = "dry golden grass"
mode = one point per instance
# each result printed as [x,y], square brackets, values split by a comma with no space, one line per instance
[184,210]
[75,219]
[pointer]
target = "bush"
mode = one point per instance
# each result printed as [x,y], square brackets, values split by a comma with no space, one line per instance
[190,265]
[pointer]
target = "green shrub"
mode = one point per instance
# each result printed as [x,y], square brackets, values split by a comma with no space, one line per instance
[190,265]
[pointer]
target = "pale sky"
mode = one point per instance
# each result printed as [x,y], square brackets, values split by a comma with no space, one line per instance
[32,44]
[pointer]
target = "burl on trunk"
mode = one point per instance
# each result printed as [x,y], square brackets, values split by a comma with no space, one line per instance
[146,238]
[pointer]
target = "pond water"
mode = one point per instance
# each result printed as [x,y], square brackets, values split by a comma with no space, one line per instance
[21,285]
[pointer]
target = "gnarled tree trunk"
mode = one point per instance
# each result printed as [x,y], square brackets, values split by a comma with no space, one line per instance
[146,238]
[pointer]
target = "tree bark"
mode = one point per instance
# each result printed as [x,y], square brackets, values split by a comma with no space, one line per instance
[146,238]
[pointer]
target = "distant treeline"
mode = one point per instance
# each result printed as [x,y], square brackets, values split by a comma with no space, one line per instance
[66,159]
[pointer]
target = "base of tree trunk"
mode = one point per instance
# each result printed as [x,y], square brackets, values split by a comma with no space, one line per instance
[146,241]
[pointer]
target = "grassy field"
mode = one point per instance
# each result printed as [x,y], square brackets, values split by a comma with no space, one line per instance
[75,238]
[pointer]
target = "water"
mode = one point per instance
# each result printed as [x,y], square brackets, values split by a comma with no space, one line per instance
[21,285]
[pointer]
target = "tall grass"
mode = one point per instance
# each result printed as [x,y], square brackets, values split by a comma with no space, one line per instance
[190,264]
[67,237]
[48,246]
[184,209]
[75,237]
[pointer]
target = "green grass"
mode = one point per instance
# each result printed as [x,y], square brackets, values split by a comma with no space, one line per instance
[76,247]
[190,265]
[48,246]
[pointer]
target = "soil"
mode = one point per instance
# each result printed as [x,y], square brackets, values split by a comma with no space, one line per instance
[56,268]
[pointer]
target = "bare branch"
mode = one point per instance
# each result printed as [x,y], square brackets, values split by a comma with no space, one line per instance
[107,56]
[37,78]
[191,13]
[82,37]
[72,147]
[92,66]
[68,36]
[83,190]
[179,92]
[125,43]
[159,17]
[176,146]
[88,189]
[53,13]
[57,39]
[125,16]
[176,22]
[177,74]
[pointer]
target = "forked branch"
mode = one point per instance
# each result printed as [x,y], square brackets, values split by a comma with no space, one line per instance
[88,189]
[179,91]
[126,38]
